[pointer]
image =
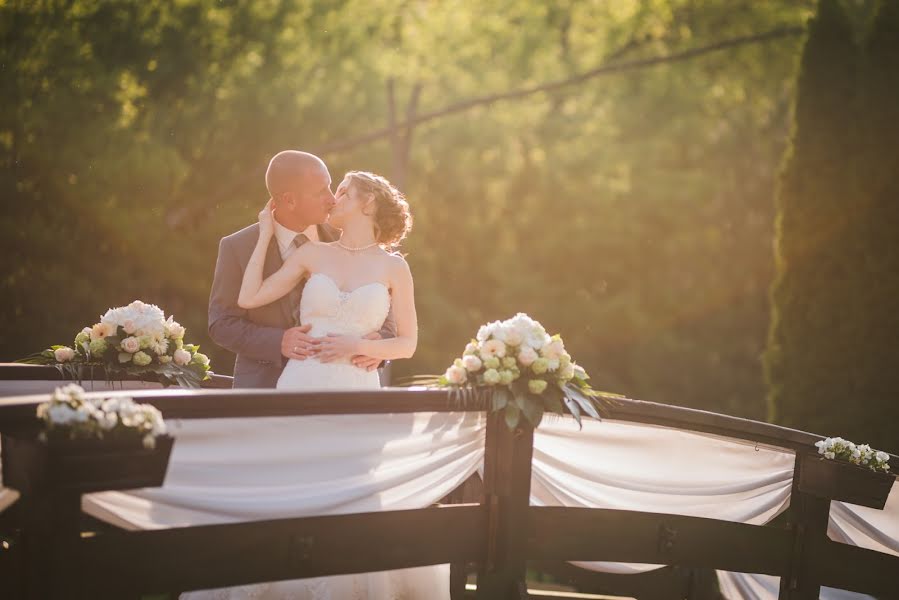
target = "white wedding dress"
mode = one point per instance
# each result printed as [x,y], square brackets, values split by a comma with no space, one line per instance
[358,312]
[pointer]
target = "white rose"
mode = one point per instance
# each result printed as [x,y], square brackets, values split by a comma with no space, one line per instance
[108,421]
[129,326]
[64,354]
[69,392]
[131,344]
[882,456]
[527,355]
[553,350]
[181,356]
[455,375]
[513,336]
[174,329]
[493,348]
[471,363]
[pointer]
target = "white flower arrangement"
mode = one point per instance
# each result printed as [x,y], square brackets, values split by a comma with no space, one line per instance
[136,339]
[525,370]
[69,415]
[862,454]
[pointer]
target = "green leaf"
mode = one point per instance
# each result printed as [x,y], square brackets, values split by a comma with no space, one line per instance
[585,403]
[500,398]
[533,410]
[512,415]
[553,403]
[574,410]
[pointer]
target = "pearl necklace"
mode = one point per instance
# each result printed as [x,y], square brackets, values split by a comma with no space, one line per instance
[360,249]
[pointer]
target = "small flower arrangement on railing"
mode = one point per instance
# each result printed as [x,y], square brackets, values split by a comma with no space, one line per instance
[137,340]
[70,416]
[862,454]
[523,370]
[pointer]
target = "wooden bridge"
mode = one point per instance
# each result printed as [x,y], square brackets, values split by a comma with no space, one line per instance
[51,550]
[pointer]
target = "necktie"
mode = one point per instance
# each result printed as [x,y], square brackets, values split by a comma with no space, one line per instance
[293,297]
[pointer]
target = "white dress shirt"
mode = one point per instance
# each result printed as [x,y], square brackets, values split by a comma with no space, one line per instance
[285,236]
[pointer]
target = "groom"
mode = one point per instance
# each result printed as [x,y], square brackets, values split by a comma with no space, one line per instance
[265,338]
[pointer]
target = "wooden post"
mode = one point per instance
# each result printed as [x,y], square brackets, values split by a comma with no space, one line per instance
[507,491]
[808,520]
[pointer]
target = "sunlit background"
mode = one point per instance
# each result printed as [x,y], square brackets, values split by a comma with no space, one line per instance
[609,167]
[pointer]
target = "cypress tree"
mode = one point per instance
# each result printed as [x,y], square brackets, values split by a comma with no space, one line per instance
[877,368]
[812,333]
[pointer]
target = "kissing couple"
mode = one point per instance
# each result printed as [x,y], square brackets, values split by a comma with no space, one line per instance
[314,297]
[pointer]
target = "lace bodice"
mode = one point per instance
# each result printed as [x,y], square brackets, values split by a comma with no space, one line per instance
[331,310]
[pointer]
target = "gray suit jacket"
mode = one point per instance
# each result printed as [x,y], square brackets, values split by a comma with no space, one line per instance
[254,335]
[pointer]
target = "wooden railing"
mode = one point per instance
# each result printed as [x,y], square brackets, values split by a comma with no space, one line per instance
[501,535]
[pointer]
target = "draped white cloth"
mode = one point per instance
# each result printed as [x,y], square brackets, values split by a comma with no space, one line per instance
[630,466]
[229,470]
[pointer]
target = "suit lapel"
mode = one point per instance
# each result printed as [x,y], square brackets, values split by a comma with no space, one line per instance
[273,262]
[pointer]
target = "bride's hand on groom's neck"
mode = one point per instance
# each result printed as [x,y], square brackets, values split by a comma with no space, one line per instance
[267,219]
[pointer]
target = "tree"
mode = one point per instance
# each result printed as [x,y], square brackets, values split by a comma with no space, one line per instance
[878,164]
[832,332]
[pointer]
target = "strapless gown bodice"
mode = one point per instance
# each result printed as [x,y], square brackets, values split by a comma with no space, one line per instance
[331,310]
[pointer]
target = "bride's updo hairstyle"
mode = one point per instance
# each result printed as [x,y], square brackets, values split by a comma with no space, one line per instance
[392,217]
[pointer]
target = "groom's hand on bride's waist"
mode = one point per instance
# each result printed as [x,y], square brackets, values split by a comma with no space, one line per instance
[297,344]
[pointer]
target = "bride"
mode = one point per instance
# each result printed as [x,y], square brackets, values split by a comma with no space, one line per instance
[351,284]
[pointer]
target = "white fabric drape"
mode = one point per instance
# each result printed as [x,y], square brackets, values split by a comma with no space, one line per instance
[630,466]
[229,470]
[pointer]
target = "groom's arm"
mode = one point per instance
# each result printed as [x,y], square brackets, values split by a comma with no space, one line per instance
[229,326]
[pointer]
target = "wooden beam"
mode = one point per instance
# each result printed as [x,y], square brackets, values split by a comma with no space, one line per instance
[807,521]
[507,490]
[842,566]
[589,534]
[224,555]
[25,372]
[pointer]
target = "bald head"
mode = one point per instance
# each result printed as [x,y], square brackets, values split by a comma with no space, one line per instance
[289,170]
[300,185]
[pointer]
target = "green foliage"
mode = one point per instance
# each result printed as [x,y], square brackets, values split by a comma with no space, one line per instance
[833,328]
[630,212]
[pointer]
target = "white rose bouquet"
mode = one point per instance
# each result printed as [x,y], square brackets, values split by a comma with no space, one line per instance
[861,454]
[525,371]
[136,339]
[69,415]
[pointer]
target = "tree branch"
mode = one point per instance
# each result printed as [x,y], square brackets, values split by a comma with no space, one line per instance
[608,69]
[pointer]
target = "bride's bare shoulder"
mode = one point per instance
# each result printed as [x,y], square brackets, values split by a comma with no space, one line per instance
[397,266]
